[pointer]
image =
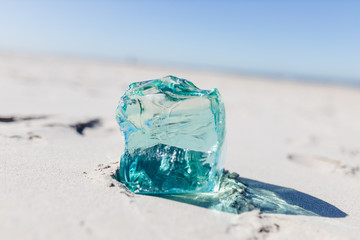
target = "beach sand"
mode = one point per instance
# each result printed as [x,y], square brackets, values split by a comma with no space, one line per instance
[60,145]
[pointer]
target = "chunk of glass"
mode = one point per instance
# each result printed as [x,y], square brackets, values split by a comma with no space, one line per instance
[174,135]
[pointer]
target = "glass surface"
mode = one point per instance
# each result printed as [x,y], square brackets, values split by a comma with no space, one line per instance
[174,135]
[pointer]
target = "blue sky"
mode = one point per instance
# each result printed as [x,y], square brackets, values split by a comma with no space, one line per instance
[310,38]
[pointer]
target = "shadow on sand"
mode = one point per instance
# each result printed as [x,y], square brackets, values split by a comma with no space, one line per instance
[238,195]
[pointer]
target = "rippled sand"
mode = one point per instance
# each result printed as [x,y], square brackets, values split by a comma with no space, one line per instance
[60,146]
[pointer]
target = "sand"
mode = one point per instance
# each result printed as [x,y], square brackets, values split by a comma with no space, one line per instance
[60,144]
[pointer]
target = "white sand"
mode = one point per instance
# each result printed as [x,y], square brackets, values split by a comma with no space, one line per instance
[55,183]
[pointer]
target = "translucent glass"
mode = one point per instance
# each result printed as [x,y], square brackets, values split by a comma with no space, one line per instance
[174,135]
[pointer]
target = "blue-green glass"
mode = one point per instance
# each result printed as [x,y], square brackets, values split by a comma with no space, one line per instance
[174,135]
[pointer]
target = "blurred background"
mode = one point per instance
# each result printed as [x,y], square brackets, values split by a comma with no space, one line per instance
[302,40]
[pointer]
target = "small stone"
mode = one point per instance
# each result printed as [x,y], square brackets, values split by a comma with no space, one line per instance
[174,134]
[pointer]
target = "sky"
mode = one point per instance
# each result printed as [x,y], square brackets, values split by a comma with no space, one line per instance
[318,39]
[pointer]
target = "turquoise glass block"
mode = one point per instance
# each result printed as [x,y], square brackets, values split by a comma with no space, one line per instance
[174,136]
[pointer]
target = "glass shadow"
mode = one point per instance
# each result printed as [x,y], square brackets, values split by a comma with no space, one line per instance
[238,195]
